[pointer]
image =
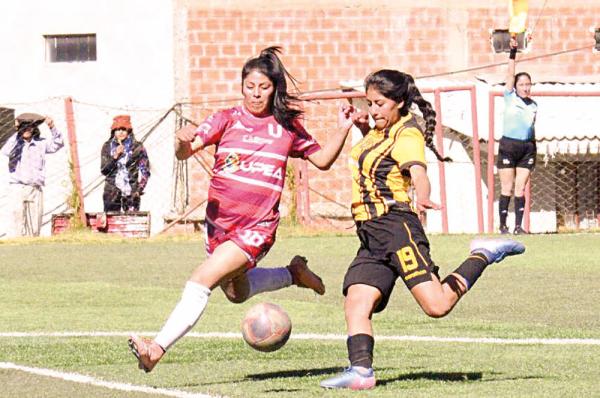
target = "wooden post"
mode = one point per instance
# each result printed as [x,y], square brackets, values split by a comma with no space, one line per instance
[75,156]
[302,194]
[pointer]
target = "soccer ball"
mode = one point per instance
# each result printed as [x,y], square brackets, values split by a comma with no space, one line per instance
[266,327]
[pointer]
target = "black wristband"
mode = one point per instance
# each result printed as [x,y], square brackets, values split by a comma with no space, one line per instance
[513,53]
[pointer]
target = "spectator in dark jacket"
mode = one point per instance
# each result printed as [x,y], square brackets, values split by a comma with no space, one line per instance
[126,167]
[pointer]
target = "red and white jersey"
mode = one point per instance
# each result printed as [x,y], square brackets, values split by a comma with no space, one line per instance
[250,163]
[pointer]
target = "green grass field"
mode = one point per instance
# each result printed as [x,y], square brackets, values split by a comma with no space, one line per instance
[84,284]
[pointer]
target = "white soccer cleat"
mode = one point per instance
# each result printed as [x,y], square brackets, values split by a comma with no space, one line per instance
[354,378]
[495,250]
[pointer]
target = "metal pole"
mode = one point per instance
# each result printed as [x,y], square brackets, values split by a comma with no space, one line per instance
[490,165]
[476,159]
[527,213]
[441,167]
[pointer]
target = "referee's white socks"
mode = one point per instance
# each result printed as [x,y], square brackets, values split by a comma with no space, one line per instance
[267,279]
[185,315]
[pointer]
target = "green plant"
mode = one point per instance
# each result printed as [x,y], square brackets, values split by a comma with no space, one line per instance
[293,188]
[74,202]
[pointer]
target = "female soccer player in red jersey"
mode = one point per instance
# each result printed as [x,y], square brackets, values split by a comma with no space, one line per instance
[253,143]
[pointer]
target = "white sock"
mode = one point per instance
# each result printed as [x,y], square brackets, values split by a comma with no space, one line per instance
[185,315]
[268,279]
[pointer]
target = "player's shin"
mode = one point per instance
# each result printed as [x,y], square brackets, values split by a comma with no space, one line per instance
[360,350]
[503,210]
[185,315]
[471,269]
[519,210]
[267,280]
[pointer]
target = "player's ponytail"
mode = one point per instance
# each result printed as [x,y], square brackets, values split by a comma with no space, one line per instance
[282,104]
[428,115]
[401,87]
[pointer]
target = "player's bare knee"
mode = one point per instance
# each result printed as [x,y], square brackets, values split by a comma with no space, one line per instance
[435,309]
[357,307]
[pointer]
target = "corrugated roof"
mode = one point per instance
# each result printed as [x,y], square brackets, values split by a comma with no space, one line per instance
[568,123]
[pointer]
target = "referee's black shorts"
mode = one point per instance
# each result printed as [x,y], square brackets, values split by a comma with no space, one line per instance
[515,153]
[391,246]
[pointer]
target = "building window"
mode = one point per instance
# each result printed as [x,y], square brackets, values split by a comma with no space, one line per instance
[500,39]
[70,48]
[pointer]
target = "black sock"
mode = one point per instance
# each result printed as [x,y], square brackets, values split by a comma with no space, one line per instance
[519,210]
[360,350]
[472,268]
[503,209]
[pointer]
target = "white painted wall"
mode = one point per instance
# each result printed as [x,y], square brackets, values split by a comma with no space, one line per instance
[134,74]
[134,49]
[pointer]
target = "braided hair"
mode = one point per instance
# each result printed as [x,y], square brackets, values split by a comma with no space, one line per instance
[401,87]
[282,103]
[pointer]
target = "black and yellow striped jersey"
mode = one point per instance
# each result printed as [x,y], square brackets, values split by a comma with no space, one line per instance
[380,163]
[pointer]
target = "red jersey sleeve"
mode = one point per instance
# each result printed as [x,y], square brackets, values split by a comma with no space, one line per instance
[211,129]
[304,144]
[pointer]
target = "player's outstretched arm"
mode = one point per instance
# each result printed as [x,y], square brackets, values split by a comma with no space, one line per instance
[187,142]
[510,74]
[324,158]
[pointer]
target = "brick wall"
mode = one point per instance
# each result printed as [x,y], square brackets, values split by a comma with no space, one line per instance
[324,45]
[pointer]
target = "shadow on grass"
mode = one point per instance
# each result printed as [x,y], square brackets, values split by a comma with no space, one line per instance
[293,373]
[274,375]
[436,376]
[433,376]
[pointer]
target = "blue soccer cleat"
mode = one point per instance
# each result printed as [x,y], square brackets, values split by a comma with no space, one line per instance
[495,250]
[354,378]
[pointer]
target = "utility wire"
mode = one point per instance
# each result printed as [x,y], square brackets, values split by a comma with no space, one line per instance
[538,17]
[449,73]
[571,50]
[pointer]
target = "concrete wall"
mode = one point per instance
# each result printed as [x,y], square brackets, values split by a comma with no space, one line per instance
[134,47]
[134,74]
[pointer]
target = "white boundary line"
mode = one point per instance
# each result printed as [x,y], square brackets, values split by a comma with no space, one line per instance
[83,379]
[79,378]
[310,336]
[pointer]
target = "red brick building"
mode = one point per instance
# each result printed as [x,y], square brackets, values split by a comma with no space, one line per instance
[326,42]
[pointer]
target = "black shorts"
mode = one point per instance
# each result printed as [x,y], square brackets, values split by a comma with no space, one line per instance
[391,246]
[515,153]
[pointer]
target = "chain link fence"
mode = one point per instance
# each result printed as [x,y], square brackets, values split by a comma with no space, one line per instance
[90,128]
[565,186]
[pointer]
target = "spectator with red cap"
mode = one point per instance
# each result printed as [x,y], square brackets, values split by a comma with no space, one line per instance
[125,164]
[26,150]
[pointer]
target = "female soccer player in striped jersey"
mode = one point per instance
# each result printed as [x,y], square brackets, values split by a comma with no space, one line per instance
[386,162]
[253,143]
